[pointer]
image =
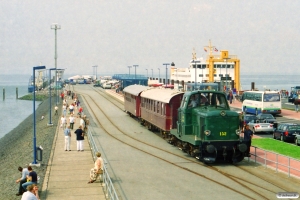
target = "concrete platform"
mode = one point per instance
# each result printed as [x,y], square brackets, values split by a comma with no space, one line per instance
[68,171]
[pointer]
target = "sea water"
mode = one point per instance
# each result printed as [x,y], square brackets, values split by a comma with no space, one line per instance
[14,111]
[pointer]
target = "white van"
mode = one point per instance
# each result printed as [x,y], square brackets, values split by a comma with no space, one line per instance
[107,85]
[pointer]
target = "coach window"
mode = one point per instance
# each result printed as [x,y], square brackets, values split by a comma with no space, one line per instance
[151,103]
[158,107]
[162,108]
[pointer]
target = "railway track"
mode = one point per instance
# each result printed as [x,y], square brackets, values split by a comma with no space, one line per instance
[257,190]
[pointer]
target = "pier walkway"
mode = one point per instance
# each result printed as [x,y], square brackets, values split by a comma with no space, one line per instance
[68,171]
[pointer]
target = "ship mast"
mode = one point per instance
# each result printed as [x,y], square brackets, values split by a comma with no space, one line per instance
[210,48]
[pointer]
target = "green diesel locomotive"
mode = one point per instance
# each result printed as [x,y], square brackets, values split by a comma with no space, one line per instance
[207,129]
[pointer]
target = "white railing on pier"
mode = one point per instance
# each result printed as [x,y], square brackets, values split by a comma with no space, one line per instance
[107,183]
[269,159]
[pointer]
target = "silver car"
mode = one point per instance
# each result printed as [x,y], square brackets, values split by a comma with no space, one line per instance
[258,127]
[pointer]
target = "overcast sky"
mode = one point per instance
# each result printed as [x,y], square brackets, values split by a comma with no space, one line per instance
[116,34]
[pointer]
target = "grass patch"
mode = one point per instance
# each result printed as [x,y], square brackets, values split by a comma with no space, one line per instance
[38,97]
[277,146]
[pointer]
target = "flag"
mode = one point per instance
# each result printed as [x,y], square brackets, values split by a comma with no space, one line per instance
[215,49]
[205,49]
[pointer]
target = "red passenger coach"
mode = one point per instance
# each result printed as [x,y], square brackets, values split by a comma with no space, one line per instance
[132,99]
[159,108]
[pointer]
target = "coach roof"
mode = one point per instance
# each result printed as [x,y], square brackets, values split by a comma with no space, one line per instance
[135,89]
[160,94]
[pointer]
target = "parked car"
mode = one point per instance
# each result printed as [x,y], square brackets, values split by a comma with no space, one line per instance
[286,132]
[97,85]
[258,127]
[107,85]
[248,118]
[297,139]
[264,117]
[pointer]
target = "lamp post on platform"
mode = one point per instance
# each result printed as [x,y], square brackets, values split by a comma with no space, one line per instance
[95,69]
[129,69]
[34,126]
[55,26]
[166,64]
[50,97]
[135,66]
[158,74]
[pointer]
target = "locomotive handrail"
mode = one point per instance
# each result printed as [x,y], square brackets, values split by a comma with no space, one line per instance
[276,161]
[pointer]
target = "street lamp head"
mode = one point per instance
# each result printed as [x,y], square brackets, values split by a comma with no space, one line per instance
[55,26]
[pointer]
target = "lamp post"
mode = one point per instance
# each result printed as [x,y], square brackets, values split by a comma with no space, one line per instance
[50,122]
[158,74]
[135,66]
[129,69]
[55,26]
[166,71]
[225,59]
[95,69]
[195,73]
[147,73]
[34,127]
[177,78]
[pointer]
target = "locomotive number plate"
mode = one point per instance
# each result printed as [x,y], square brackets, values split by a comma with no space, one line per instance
[223,133]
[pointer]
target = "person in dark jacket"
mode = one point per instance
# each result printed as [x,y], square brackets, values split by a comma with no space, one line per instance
[79,137]
[296,103]
[248,134]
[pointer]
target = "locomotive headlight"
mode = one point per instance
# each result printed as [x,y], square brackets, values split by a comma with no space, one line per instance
[237,131]
[207,132]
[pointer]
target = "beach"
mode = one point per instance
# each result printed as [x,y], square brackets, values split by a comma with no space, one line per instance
[16,149]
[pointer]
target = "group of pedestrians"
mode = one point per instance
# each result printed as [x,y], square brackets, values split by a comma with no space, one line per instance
[28,184]
[68,125]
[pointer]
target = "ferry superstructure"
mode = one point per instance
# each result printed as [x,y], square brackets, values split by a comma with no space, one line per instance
[223,69]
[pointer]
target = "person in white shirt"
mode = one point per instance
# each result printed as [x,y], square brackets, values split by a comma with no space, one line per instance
[22,180]
[63,122]
[72,121]
[30,194]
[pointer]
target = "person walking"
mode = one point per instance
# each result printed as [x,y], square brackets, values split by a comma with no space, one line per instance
[71,108]
[64,108]
[56,110]
[248,134]
[72,121]
[86,123]
[67,133]
[230,97]
[97,169]
[241,117]
[22,180]
[79,138]
[31,178]
[82,122]
[296,103]
[63,122]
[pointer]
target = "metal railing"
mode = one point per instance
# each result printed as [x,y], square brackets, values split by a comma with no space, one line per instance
[108,186]
[285,164]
